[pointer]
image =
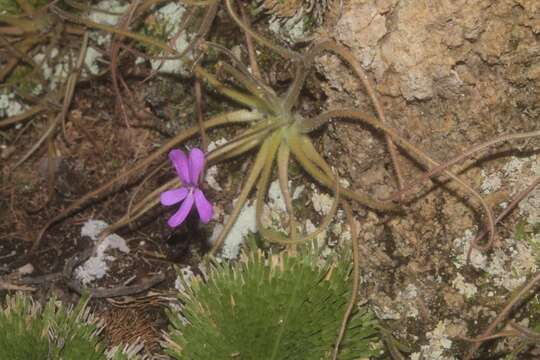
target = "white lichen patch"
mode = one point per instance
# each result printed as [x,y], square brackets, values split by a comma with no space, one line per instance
[321,238]
[321,202]
[245,224]
[402,307]
[490,183]
[275,197]
[212,171]
[439,344]
[384,312]
[111,11]
[91,60]
[171,15]
[9,106]
[510,270]
[507,265]
[461,247]
[96,267]
[184,278]
[464,288]
[290,30]
[516,175]
[407,298]
[55,67]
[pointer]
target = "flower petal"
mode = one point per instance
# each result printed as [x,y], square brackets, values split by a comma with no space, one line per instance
[182,213]
[174,196]
[180,162]
[196,164]
[204,207]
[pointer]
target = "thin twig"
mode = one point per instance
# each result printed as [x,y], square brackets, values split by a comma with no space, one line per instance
[356,277]
[200,117]
[515,201]
[514,299]
[249,44]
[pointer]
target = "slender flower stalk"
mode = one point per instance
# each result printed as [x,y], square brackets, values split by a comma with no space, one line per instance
[189,171]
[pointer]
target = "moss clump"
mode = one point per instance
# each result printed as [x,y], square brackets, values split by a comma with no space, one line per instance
[29,331]
[275,307]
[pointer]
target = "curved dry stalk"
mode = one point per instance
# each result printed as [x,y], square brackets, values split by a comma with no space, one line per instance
[201,2]
[345,54]
[467,153]
[525,331]
[48,132]
[413,150]
[500,334]
[356,277]
[20,53]
[286,53]
[253,175]
[249,44]
[514,299]
[515,201]
[113,30]
[234,117]
[204,28]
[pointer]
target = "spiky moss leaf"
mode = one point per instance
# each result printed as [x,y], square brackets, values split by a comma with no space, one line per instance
[28,331]
[23,334]
[291,309]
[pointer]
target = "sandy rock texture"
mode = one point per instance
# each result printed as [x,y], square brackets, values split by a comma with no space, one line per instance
[450,74]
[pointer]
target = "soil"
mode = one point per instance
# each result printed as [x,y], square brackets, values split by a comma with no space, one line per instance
[449,74]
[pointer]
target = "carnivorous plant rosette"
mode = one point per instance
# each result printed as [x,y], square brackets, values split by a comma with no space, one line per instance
[276,130]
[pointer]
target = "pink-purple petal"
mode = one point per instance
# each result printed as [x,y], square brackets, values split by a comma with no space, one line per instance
[174,196]
[180,216]
[196,164]
[204,207]
[181,163]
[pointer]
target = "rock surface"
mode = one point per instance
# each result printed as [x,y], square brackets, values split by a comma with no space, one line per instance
[449,74]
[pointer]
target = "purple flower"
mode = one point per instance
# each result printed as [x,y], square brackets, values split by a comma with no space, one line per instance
[189,172]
